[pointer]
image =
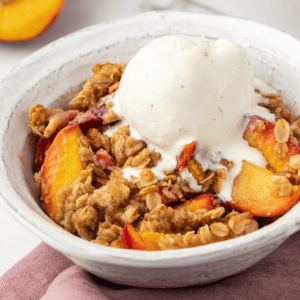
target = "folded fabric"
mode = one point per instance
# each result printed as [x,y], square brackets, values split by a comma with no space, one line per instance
[47,274]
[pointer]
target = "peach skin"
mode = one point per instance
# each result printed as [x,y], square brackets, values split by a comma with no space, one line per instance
[206,201]
[147,241]
[185,155]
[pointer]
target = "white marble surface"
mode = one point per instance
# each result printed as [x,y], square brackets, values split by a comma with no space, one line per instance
[16,241]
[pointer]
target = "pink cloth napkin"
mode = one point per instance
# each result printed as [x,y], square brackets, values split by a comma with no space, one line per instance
[47,274]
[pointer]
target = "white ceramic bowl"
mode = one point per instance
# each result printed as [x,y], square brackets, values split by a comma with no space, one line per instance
[59,68]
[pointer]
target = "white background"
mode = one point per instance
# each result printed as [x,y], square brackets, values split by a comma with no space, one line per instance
[16,241]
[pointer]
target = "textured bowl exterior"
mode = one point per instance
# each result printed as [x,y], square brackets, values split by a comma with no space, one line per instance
[56,72]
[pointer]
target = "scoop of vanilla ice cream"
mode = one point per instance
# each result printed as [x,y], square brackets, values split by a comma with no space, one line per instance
[184,88]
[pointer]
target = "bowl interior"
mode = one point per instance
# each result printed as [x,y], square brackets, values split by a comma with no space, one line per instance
[54,74]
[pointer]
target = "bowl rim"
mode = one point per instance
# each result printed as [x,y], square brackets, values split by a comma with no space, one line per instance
[75,246]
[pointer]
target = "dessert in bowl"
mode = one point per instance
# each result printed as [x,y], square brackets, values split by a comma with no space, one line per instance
[145,268]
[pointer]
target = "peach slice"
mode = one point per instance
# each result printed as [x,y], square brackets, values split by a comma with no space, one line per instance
[22,20]
[61,166]
[104,160]
[147,241]
[185,155]
[97,116]
[252,192]
[265,141]
[56,123]
[176,194]
[132,239]
[206,201]
[114,87]
[151,238]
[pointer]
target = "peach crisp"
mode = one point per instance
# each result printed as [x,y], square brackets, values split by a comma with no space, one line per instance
[102,179]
